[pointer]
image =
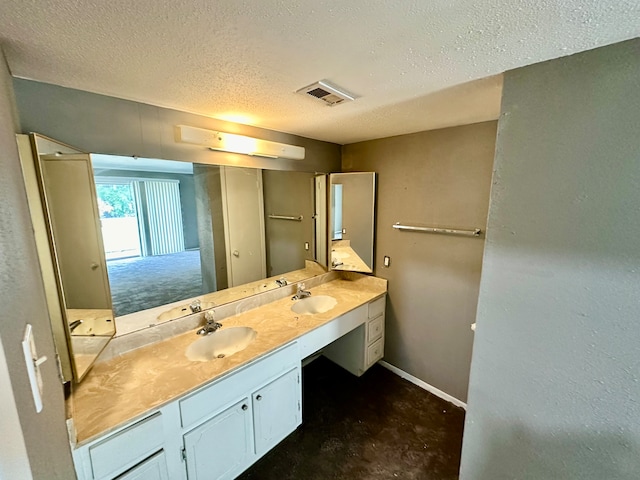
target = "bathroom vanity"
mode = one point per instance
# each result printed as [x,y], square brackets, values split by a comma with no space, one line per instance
[151,413]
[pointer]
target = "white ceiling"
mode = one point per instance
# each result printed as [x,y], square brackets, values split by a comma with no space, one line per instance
[415,65]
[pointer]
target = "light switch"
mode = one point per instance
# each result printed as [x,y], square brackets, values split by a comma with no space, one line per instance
[387,261]
[33,366]
[306,246]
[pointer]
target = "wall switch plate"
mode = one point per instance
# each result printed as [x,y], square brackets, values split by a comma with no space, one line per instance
[387,261]
[344,230]
[33,366]
[306,246]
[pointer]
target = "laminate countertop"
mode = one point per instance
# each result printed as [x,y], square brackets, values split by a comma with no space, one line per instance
[127,387]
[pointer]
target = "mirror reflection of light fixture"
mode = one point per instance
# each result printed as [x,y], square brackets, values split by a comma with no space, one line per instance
[231,142]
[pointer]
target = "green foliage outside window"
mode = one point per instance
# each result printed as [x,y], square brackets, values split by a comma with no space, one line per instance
[115,201]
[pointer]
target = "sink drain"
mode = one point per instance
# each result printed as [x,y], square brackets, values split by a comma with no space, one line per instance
[221,355]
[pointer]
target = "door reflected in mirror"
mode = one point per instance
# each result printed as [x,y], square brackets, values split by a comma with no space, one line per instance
[351,221]
[175,231]
[72,212]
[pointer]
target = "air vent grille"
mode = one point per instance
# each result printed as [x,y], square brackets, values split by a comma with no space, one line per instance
[327,93]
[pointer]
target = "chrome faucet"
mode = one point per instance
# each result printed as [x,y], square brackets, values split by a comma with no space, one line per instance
[210,325]
[302,293]
[195,306]
[336,263]
[75,324]
[281,282]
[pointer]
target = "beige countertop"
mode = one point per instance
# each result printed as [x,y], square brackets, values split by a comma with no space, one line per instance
[157,315]
[346,256]
[126,387]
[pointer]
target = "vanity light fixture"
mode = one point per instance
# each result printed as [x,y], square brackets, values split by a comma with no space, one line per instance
[231,142]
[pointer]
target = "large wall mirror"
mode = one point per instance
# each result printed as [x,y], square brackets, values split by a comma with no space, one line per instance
[154,240]
[351,221]
[177,232]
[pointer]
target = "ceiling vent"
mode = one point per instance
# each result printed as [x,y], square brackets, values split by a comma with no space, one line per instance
[326,92]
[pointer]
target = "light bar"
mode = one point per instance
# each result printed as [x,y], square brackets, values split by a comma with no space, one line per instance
[231,142]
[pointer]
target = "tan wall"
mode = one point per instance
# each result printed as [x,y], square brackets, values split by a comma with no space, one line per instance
[555,376]
[439,177]
[101,124]
[288,194]
[22,299]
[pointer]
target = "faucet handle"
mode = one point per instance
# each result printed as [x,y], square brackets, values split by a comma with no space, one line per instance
[195,306]
[301,286]
[210,316]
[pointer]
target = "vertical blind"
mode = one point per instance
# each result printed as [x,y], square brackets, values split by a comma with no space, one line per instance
[164,216]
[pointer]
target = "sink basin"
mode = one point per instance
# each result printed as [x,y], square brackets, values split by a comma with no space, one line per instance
[311,305]
[182,311]
[339,255]
[220,344]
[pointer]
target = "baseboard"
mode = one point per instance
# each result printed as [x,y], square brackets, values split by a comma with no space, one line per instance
[424,385]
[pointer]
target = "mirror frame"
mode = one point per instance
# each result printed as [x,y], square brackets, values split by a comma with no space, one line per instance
[32,146]
[366,204]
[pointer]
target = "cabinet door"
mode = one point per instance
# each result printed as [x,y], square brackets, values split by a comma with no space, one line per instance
[276,410]
[221,447]
[154,468]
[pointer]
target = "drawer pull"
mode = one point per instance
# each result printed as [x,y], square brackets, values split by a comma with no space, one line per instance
[259,397]
[245,406]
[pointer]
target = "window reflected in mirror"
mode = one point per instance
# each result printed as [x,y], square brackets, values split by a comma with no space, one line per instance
[175,231]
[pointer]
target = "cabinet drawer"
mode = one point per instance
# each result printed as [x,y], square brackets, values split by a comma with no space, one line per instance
[154,468]
[375,328]
[375,351]
[126,448]
[376,307]
[213,397]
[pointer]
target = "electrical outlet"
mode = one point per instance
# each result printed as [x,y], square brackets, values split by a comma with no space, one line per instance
[387,261]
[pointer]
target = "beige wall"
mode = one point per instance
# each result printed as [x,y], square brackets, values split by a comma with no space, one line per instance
[288,194]
[101,124]
[439,177]
[555,377]
[22,299]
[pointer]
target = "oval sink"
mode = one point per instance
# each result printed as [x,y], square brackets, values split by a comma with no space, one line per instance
[311,305]
[220,344]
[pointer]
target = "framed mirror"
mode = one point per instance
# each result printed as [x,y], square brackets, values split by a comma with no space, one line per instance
[175,238]
[71,211]
[178,233]
[351,221]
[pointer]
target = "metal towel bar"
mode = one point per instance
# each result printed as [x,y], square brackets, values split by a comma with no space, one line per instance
[450,231]
[286,217]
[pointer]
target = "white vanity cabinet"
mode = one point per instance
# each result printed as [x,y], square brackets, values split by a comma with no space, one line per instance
[215,432]
[222,446]
[268,409]
[222,428]
[277,410]
[135,451]
[359,349]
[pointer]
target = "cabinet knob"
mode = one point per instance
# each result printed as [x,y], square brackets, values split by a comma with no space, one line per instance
[245,406]
[94,266]
[259,397]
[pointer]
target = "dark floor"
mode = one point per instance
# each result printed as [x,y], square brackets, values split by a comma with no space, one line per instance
[139,283]
[378,426]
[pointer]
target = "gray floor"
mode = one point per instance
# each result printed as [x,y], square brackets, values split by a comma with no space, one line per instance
[378,426]
[139,283]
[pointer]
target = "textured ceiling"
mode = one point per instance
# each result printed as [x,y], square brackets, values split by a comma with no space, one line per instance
[414,65]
